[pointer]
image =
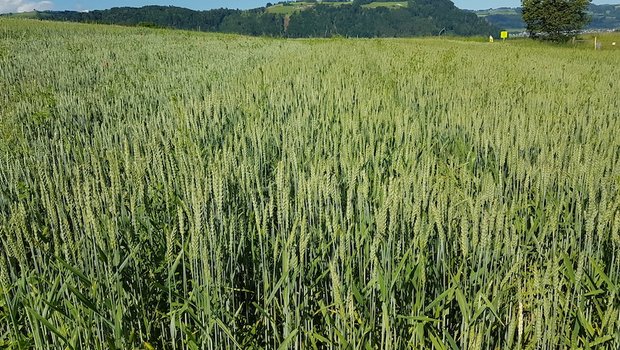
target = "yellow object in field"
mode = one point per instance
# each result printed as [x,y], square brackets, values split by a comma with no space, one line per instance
[504,34]
[490,38]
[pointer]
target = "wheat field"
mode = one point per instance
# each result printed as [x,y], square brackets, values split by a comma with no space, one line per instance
[177,190]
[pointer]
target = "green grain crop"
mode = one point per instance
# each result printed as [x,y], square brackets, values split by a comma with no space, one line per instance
[176,190]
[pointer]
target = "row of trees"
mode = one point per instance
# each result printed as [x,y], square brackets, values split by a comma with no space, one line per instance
[254,22]
[420,17]
[546,19]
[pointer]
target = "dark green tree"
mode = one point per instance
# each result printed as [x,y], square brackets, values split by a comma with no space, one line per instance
[555,20]
[420,17]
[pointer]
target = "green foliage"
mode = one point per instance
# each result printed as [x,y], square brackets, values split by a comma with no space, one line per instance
[181,190]
[299,19]
[555,20]
[363,20]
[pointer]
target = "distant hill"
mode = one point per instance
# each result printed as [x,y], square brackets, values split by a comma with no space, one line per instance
[603,17]
[359,18]
[290,7]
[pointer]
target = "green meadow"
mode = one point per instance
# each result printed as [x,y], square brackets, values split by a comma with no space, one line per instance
[166,189]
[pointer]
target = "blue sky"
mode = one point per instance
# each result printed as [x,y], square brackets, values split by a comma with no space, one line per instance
[28,5]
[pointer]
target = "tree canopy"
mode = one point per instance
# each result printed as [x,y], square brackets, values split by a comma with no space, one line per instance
[555,19]
[419,17]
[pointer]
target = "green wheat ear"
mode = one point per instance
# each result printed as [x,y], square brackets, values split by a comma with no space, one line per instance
[181,190]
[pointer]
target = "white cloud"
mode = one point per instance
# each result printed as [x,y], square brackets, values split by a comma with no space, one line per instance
[24,5]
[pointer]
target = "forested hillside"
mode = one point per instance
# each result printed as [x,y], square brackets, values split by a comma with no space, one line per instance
[360,18]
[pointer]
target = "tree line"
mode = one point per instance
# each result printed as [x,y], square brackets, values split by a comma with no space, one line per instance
[420,17]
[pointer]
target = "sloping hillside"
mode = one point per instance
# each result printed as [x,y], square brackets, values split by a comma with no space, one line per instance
[359,18]
[288,8]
